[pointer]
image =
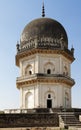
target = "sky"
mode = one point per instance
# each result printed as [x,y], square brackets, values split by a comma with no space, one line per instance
[14,16]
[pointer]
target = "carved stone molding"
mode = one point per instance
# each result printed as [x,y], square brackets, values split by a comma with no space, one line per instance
[20,82]
[25,53]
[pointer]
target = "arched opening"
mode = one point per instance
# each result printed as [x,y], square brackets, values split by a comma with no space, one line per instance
[49,103]
[49,68]
[50,100]
[48,71]
[28,70]
[49,96]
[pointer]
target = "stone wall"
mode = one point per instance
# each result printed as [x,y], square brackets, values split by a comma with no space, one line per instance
[33,128]
[28,120]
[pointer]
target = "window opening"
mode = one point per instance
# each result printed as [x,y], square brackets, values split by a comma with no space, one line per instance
[48,71]
[49,96]
[30,72]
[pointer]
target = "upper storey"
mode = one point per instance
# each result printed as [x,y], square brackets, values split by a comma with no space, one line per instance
[44,33]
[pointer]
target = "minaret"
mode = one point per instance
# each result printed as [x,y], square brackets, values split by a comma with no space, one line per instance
[45,65]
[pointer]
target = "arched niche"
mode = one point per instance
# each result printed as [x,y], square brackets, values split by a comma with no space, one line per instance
[66,99]
[28,70]
[65,70]
[29,100]
[49,68]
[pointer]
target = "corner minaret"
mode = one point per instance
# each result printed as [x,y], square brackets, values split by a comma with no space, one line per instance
[45,65]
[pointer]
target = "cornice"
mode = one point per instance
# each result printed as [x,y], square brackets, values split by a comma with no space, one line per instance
[20,82]
[24,54]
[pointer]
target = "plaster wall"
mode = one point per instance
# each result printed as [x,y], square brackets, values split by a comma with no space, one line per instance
[41,62]
[38,95]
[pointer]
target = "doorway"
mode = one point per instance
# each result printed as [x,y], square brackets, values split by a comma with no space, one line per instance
[49,103]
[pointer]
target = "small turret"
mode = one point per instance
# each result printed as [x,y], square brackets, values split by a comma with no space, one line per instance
[17,46]
[72,50]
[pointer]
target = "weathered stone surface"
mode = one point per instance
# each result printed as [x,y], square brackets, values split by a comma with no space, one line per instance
[38,30]
[28,120]
[34,128]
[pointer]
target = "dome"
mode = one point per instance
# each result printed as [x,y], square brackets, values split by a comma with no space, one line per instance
[46,31]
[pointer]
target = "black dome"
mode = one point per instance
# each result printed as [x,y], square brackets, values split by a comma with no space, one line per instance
[44,28]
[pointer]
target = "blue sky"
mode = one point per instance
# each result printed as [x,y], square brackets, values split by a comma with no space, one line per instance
[14,15]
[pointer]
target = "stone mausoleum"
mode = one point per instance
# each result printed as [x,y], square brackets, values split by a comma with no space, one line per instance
[45,81]
[45,65]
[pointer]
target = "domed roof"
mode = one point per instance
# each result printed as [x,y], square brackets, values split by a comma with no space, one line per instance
[44,28]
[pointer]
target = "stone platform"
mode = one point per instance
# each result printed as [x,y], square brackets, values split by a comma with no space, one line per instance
[40,117]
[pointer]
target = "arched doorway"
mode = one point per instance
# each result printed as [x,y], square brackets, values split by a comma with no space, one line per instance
[49,101]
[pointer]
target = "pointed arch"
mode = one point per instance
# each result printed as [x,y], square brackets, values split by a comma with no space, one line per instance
[66,99]
[29,100]
[28,69]
[65,70]
[49,99]
[49,68]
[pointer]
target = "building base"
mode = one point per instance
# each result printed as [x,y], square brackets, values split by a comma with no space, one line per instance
[40,118]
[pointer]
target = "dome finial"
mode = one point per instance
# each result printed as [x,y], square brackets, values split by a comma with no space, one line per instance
[43,10]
